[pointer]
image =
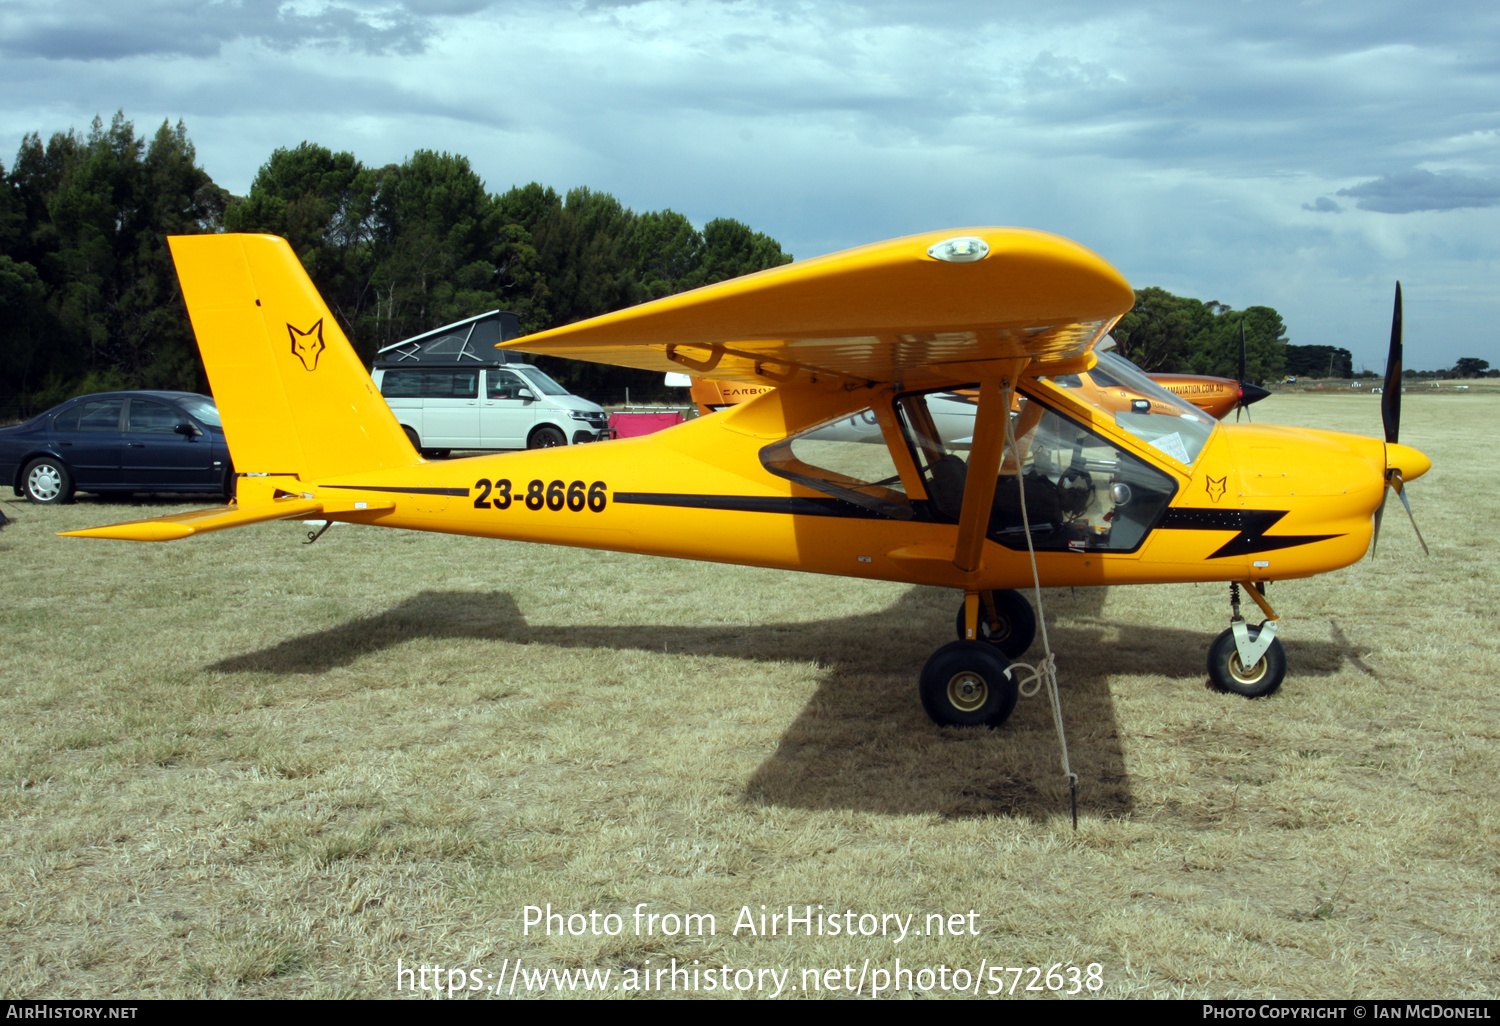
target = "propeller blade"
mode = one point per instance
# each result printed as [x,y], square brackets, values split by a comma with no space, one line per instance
[1244,404]
[1242,347]
[1379,512]
[1396,483]
[1390,395]
[1390,414]
[1400,488]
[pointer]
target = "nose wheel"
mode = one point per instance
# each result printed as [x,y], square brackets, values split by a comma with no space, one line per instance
[1248,659]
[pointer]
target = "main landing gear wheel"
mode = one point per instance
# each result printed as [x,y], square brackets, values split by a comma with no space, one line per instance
[968,684]
[1229,674]
[1014,627]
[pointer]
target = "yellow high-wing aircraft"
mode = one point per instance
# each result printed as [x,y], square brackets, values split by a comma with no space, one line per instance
[1157,491]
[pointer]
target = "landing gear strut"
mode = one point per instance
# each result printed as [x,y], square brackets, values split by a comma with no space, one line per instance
[970,683]
[1248,660]
[1005,621]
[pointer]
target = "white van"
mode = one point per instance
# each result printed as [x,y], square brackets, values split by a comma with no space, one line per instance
[450,389]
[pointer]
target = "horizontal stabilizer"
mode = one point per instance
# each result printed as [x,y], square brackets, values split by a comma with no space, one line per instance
[183,525]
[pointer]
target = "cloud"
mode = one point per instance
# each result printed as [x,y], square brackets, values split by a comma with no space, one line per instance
[1178,139]
[1416,190]
[83,30]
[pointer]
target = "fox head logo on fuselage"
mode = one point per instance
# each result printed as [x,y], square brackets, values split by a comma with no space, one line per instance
[1216,487]
[308,345]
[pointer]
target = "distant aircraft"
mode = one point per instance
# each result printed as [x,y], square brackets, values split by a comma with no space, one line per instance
[1095,490]
[1214,396]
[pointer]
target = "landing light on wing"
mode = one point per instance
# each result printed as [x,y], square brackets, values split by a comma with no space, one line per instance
[963,249]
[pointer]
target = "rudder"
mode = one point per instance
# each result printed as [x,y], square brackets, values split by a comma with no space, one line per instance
[293,395]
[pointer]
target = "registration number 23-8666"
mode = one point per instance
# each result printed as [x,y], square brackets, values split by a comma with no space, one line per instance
[554,495]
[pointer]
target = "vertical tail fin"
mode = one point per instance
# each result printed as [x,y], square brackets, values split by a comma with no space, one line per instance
[293,395]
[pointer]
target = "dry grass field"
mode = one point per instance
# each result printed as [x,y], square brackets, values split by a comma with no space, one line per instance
[244,766]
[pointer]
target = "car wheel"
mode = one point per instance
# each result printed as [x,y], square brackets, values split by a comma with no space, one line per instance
[411,436]
[231,484]
[47,480]
[545,437]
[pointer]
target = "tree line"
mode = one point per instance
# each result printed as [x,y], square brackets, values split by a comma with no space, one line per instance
[1176,334]
[89,299]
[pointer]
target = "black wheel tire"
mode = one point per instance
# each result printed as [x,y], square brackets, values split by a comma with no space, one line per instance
[1014,628]
[231,484]
[968,684]
[411,436]
[545,437]
[1229,674]
[47,481]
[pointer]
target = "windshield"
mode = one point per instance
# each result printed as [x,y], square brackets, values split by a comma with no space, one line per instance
[1123,393]
[203,409]
[539,378]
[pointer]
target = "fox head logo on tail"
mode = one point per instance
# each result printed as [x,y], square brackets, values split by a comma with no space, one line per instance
[1216,487]
[308,345]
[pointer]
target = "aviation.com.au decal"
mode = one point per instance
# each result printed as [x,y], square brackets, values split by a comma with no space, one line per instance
[308,345]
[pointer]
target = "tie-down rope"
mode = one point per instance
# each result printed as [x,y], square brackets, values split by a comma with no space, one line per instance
[1045,672]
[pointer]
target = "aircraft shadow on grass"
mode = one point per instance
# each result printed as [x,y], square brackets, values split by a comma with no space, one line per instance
[862,741]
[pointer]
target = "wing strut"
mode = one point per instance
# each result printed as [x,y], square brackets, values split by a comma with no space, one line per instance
[984,468]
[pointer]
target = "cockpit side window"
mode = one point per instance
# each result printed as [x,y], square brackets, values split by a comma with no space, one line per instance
[845,458]
[1082,491]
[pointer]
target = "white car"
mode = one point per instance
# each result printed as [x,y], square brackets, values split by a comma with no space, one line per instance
[450,389]
[499,406]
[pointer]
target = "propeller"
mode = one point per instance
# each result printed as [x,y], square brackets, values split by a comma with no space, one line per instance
[1248,393]
[1390,416]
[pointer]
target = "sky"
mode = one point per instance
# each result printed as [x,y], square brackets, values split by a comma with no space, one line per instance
[1299,155]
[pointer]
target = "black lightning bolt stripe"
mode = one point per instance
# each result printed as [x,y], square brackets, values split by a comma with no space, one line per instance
[461,492]
[1252,525]
[751,504]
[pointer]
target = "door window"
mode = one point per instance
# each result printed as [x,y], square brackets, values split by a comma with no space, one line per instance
[503,384]
[1082,492]
[148,418]
[100,415]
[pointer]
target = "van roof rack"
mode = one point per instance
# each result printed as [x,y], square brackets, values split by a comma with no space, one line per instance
[470,342]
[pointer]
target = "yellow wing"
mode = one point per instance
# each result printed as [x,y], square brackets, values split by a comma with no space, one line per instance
[891,312]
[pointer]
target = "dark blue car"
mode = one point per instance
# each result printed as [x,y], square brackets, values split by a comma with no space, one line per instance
[119,442]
